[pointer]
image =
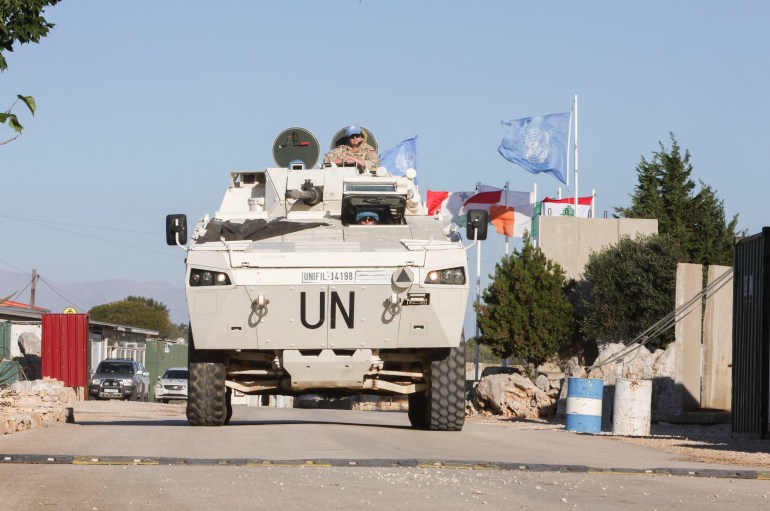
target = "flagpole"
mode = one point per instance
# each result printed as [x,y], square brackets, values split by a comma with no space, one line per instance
[569,144]
[576,153]
[514,219]
[536,241]
[478,294]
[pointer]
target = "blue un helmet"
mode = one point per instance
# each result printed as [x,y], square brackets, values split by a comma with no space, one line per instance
[353,130]
[367,214]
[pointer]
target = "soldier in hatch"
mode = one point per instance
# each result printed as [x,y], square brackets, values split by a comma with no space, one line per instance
[355,152]
[367,218]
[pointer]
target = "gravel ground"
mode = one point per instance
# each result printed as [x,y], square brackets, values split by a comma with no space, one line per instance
[692,442]
[709,444]
[114,408]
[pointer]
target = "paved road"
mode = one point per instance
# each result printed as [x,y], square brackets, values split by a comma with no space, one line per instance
[345,459]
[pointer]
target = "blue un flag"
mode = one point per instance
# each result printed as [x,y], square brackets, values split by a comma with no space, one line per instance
[539,144]
[401,157]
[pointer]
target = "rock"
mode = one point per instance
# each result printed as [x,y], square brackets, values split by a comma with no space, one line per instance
[660,367]
[34,404]
[29,344]
[514,395]
[542,383]
[574,369]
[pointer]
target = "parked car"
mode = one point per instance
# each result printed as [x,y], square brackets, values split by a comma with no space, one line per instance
[172,385]
[120,379]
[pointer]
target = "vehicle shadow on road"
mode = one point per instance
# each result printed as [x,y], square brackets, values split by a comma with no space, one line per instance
[176,422]
[131,422]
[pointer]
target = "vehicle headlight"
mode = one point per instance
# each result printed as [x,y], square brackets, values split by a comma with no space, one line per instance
[96,381]
[208,278]
[455,276]
[158,386]
[127,382]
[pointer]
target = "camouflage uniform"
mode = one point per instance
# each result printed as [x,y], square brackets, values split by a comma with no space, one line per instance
[364,152]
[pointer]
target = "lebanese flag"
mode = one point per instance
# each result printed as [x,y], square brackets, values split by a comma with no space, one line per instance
[566,207]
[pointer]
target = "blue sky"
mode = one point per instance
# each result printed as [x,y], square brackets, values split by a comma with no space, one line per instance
[145,106]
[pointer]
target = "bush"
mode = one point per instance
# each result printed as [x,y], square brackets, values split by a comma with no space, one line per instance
[630,287]
[525,312]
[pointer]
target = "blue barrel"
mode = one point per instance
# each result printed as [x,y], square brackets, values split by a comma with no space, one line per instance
[584,404]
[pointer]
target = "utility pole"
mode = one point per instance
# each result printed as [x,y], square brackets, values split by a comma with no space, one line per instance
[33,289]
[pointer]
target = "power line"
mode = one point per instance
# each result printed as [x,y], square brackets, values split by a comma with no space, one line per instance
[12,265]
[668,320]
[97,238]
[18,293]
[23,219]
[62,293]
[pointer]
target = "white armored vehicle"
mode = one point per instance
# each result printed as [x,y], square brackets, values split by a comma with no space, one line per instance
[288,294]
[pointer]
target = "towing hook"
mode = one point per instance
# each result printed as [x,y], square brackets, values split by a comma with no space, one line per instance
[260,306]
[394,304]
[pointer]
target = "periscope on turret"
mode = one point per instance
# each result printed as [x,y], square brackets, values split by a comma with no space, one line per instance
[289,295]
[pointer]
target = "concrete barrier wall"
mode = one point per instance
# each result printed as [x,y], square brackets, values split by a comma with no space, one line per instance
[703,343]
[570,241]
[689,364]
[716,393]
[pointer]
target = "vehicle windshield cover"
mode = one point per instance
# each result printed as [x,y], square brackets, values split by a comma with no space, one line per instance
[115,368]
[175,374]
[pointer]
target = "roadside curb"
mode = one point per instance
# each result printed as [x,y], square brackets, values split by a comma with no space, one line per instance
[43,459]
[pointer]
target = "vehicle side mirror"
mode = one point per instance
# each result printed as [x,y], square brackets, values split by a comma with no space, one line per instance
[477,222]
[176,227]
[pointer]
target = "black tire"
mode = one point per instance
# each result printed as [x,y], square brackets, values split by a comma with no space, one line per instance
[445,400]
[206,403]
[228,404]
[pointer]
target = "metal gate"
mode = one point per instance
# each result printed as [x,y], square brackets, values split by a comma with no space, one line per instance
[751,336]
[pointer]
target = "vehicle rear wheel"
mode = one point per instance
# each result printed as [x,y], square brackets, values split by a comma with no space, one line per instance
[442,407]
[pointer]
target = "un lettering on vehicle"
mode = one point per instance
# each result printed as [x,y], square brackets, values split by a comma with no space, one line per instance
[337,307]
[350,317]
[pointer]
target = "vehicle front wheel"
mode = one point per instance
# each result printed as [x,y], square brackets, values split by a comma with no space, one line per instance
[442,406]
[207,401]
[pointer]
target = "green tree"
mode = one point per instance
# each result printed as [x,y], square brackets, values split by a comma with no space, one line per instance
[22,21]
[485,353]
[525,310]
[136,311]
[12,120]
[693,220]
[632,286]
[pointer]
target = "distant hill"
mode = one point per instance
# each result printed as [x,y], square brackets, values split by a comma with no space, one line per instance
[57,296]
